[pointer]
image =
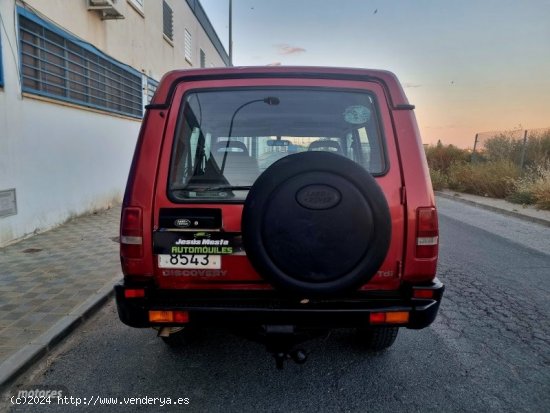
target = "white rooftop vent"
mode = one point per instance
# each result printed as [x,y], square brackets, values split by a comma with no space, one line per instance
[108,9]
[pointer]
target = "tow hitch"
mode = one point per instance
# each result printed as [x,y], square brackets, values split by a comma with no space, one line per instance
[280,341]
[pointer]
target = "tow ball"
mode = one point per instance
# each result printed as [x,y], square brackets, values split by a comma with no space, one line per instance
[280,341]
[299,356]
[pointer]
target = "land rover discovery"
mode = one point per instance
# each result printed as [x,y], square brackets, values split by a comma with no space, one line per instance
[278,200]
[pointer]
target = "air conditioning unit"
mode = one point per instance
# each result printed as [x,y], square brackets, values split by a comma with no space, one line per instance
[107,9]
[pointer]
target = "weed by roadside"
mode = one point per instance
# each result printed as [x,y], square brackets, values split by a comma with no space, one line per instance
[439,180]
[497,177]
[494,179]
[441,157]
[533,187]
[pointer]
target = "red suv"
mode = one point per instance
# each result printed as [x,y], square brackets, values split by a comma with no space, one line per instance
[279,200]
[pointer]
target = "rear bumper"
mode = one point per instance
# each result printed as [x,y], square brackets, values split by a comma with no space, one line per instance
[240,309]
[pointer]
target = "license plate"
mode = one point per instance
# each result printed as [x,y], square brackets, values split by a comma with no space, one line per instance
[208,262]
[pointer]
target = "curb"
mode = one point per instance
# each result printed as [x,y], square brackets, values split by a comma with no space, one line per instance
[19,362]
[502,211]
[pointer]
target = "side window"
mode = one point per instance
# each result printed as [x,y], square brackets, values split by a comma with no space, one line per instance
[365,146]
[207,146]
[193,142]
[203,58]
[359,147]
[149,88]
[351,148]
[192,156]
[187,143]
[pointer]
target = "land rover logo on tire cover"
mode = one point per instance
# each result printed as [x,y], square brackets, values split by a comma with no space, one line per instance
[318,197]
[182,223]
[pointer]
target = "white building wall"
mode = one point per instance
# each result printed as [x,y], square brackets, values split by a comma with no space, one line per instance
[63,160]
[140,40]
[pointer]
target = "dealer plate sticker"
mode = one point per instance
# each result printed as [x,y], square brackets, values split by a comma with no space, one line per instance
[208,262]
[197,243]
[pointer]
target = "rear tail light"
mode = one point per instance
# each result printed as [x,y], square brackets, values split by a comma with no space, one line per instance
[131,233]
[168,316]
[392,317]
[427,233]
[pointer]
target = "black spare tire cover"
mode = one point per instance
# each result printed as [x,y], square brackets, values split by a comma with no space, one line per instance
[316,223]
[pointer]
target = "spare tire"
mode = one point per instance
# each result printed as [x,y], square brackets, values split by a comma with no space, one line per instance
[316,224]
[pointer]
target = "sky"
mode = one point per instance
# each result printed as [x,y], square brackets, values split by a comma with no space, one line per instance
[468,66]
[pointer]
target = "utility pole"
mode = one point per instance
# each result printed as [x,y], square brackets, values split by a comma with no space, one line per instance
[230,33]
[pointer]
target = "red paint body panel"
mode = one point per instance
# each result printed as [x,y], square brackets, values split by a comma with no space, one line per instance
[419,194]
[396,94]
[147,184]
[238,268]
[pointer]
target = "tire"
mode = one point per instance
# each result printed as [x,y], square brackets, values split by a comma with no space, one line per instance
[377,338]
[316,224]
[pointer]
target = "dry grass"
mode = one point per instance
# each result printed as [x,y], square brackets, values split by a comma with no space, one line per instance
[440,157]
[439,180]
[493,179]
[495,175]
[534,186]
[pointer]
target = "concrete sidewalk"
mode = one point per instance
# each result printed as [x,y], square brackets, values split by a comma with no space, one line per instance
[526,212]
[50,282]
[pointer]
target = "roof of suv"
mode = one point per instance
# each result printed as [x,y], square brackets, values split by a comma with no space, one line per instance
[387,79]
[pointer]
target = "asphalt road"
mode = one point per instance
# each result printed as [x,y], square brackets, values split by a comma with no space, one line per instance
[489,349]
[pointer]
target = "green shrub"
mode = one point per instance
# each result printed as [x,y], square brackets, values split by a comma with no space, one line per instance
[510,145]
[439,180]
[504,146]
[495,170]
[493,179]
[440,157]
[460,178]
[535,184]
[521,197]
[537,150]
[542,194]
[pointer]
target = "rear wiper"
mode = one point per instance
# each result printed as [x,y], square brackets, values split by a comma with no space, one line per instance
[214,188]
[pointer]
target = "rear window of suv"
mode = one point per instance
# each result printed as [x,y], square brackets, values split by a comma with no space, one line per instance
[226,138]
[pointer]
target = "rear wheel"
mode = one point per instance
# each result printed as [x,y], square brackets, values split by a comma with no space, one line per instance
[377,338]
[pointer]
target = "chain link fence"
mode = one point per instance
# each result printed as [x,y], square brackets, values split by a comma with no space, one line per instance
[523,147]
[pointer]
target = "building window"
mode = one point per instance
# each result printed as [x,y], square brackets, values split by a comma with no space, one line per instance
[167,21]
[188,47]
[137,5]
[57,65]
[149,88]
[201,16]
[203,58]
